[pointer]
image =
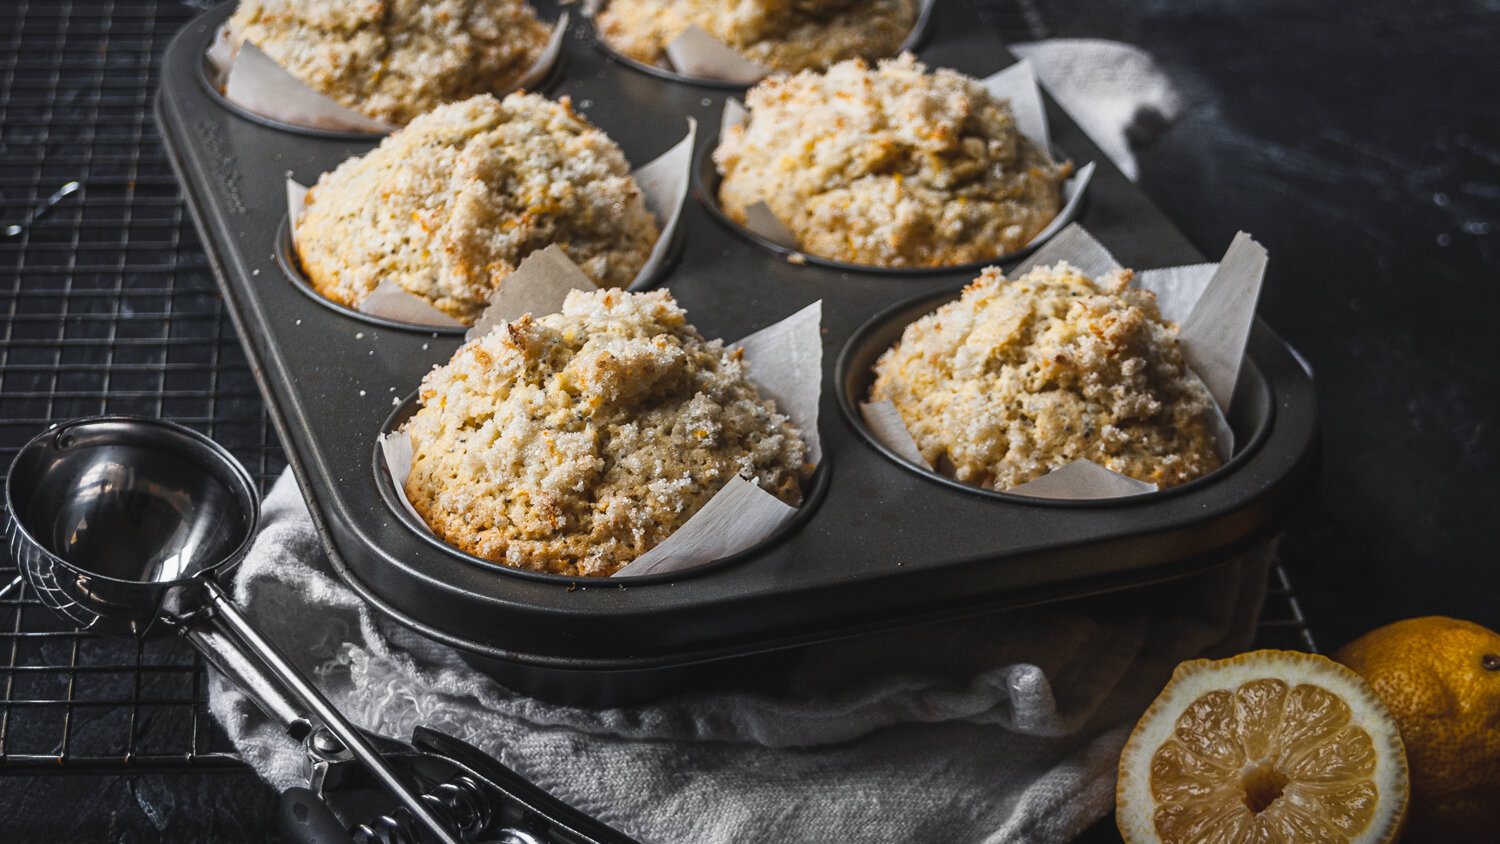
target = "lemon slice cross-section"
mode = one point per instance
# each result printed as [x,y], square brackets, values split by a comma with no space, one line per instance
[1273,747]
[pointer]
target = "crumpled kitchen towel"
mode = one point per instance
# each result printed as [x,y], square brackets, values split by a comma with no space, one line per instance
[1005,728]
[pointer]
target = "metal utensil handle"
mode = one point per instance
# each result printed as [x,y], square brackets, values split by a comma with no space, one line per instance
[313,702]
[229,658]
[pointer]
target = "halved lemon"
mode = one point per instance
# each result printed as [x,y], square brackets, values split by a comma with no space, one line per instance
[1273,747]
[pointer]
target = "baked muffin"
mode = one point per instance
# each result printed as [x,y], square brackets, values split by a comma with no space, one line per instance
[1017,378]
[784,35]
[575,442]
[395,59]
[889,166]
[453,202]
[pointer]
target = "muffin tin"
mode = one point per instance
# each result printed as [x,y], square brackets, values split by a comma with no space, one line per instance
[880,543]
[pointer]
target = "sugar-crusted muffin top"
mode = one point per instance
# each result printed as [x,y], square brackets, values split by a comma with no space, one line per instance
[575,442]
[395,59]
[889,166]
[452,203]
[1019,377]
[786,35]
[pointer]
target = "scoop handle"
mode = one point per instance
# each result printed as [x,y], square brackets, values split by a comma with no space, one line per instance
[229,658]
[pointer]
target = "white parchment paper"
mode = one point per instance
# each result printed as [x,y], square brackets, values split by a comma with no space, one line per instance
[699,54]
[664,183]
[254,81]
[1080,480]
[538,286]
[885,422]
[1219,298]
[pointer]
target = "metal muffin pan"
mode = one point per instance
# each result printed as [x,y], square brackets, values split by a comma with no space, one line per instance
[881,545]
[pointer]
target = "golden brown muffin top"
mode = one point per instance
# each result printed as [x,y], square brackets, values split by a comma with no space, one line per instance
[575,442]
[1019,377]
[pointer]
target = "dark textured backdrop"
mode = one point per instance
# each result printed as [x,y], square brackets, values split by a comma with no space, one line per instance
[1359,142]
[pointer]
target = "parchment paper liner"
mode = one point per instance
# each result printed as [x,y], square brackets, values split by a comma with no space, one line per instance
[1213,305]
[1018,84]
[698,56]
[664,186]
[253,81]
[786,364]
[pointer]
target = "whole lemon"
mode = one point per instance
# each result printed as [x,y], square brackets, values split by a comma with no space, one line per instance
[1441,679]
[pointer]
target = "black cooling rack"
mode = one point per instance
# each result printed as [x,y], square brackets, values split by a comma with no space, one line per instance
[107,305]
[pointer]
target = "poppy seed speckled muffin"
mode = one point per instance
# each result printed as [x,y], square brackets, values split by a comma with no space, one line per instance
[395,59]
[575,442]
[889,166]
[1020,377]
[452,203]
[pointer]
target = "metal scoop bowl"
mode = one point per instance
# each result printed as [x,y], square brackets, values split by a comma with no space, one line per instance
[116,521]
[121,524]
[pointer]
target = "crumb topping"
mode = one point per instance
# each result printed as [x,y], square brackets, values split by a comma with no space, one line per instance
[785,35]
[451,204]
[889,166]
[575,442]
[395,59]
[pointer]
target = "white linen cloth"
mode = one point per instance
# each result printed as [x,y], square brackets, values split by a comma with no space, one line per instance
[1005,728]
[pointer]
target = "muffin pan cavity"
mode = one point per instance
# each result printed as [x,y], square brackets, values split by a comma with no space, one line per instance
[1250,416]
[814,487]
[950,197]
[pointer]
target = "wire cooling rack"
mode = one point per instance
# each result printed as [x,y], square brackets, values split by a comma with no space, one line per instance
[107,305]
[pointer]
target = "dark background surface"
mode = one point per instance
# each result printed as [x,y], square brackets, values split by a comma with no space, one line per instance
[1359,143]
